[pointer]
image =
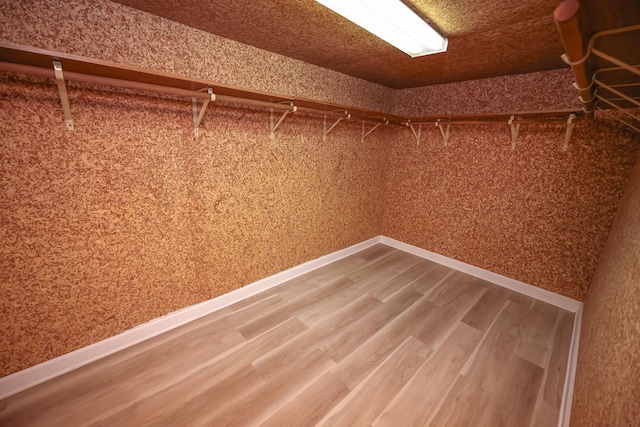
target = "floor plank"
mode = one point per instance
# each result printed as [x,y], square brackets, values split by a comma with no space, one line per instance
[516,397]
[545,415]
[416,402]
[133,381]
[397,283]
[558,363]
[199,395]
[462,406]
[272,363]
[432,278]
[535,342]
[365,359]
[447,315]
[225,369]
[258,406]
[342,344]
[362,406]
[308,408]
[379,338]
[264,322]
[487,308]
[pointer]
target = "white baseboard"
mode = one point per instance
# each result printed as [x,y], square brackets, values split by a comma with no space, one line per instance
[570,376]
[21,380]
[561,301]
[42,372]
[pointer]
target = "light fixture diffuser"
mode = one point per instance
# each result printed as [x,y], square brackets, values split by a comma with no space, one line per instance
[393,22]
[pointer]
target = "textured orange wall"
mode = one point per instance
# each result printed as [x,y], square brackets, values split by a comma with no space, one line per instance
[544,90]
[130,217]
[536,213]
[109,31]
[609,357]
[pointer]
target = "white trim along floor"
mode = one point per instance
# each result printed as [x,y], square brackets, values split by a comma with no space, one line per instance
[40,373]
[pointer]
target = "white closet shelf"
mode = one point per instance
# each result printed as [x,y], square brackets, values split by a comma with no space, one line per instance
[63,67]
[607,68]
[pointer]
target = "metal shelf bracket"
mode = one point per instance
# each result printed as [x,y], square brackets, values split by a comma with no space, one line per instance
[445,134]
[364,135]
[567,136]
[64,97]
[515,129]
[622,110]
[274,126]
[198,113]
[326,131]
[416,135]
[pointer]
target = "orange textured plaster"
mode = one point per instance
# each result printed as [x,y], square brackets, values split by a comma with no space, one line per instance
[609,360]
[545,90]
[109,31]
[536,213]
[130,217]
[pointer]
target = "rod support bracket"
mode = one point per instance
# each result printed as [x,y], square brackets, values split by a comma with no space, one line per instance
[274,125]
[515,130]
[64,96]
[198,112]
[326,131]
[567,135]
[445,134]
[416,135]
[364,135]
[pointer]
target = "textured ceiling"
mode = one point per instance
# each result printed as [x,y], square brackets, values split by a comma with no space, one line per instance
[487,38]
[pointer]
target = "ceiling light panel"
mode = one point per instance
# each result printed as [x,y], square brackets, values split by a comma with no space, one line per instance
[393,22]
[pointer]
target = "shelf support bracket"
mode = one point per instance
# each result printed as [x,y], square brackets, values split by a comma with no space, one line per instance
[567,136]
[364,135]
[198,113]
[622,110]
[64,97]
[515,130]
[416,135]
[634,101]
[274,126]
[445,134]
[326,131]
[626,123]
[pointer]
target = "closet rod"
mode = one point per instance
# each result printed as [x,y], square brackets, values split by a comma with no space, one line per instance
[12,67]
[566,17]
[108,81]
[38,62]
[127,84]
[485,122]
[550,114]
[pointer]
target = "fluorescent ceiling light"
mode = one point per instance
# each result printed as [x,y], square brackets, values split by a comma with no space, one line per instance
[393,22]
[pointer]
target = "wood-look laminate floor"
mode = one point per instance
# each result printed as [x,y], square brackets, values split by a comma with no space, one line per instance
[380,338]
